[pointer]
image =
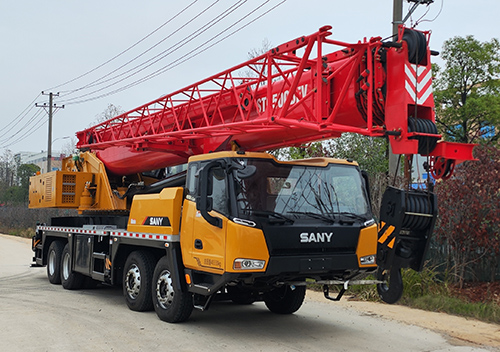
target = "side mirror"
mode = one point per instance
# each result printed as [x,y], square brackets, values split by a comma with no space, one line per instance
[246,172]
[204,201]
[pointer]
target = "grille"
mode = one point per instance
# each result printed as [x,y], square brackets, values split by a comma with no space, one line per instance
[48,189]
[68,189]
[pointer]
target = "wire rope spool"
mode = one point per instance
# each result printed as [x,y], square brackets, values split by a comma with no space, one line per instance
[417,45]
[418,211]
[426,144]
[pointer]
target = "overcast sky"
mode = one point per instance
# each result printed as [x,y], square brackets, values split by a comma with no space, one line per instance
[48,43]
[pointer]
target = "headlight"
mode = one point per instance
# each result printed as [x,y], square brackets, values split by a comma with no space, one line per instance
[368,260]
[248,264]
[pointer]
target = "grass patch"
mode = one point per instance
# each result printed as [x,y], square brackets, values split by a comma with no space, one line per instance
[484,311]
[26,233]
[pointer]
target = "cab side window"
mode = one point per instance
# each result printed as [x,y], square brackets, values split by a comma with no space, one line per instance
[191,181]
[219,191]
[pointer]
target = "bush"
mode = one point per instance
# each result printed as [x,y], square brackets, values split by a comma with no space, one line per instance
[19,220]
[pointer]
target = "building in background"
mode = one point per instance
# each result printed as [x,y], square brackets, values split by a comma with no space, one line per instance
[40,159]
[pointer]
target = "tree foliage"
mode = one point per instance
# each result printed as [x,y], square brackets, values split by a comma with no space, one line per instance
[469,213]
[14,178]
[369,152]
[468,90]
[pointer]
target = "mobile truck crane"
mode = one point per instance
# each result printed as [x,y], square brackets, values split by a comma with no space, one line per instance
[235,222]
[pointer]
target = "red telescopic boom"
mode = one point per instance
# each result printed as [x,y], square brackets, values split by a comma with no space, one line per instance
[298,92]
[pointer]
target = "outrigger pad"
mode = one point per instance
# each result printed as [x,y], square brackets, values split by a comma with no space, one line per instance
[407,219]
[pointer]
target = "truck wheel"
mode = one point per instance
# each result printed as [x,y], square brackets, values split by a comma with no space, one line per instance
[137,281]
[54,262]
[392,289]
[171,305]
[285,299]
[70,280]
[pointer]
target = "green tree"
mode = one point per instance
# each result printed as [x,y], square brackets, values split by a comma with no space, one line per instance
[369,152]
[468,90]
[24,172]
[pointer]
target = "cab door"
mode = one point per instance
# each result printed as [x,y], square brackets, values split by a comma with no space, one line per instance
[204,244]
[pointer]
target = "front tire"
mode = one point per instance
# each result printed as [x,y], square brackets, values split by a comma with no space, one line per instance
[137,278]
[171,305]
[285,299]
[54,256]
[70,280]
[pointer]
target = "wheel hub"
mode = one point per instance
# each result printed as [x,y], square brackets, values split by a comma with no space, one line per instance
[165,289]
[65,266]
[52,263]
[133,281]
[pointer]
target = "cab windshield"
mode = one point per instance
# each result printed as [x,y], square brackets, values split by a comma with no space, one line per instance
[332,193]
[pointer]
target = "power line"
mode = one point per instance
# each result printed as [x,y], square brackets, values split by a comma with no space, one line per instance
[36,119]
[126,50]
[184,57]
[19,117]
[50,108]
[95,82]
[173,48]
[35,128]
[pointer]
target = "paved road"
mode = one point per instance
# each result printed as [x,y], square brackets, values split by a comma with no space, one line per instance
[38,316]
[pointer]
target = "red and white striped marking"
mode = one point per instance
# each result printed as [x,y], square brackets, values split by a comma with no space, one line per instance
[71,230]
[122,234]
[418,82]
[147,236]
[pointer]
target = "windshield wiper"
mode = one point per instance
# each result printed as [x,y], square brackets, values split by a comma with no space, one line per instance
[277,216]
[350,215]
[314,215]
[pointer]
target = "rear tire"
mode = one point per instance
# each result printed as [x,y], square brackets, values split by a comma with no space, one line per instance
[54,256]
[70,280]
[171,305]
[137,277]
[285,300]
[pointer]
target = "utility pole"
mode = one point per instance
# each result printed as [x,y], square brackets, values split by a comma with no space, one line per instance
[51,108]
[397,19]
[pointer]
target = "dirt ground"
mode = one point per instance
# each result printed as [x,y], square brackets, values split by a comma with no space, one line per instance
[456,329]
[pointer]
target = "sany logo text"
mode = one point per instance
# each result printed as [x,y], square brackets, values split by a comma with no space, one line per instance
[306,237]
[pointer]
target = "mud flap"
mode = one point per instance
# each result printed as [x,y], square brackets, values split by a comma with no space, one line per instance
[407,220]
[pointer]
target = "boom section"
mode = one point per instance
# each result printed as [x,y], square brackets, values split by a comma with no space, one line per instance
[298,92]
